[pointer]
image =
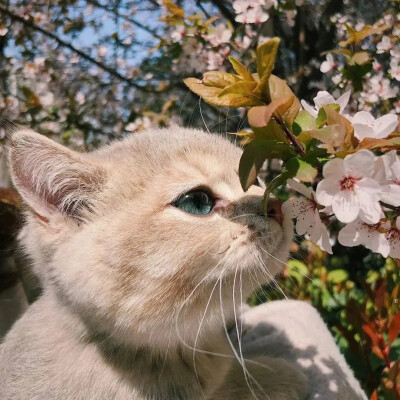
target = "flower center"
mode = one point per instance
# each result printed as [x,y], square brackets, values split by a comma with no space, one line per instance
[393,234]
[347,183]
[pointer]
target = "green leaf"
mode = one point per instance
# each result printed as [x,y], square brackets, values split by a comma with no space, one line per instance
[301,169]
[266,55]
[240,69]
[254,155]
[297,270]
[272,131]
[321,118]
[303,122]
[337,276]
[279,180]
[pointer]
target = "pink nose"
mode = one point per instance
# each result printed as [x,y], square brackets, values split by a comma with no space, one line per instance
[275,210]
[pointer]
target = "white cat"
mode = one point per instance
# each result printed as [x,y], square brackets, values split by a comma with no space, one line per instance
[145,249]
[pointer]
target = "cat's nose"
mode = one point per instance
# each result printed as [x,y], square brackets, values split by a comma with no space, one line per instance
[275,210]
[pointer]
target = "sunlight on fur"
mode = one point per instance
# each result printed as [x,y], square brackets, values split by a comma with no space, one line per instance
[139,294]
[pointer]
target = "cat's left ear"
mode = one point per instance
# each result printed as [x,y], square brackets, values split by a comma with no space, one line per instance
[51,178]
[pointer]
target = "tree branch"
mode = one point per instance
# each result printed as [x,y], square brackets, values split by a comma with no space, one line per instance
[225,11]
[71,47]
[134,22]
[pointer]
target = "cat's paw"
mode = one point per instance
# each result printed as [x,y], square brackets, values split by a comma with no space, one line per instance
[263,378]
[279,379]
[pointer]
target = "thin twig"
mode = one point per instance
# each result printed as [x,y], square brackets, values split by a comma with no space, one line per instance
[292,138]
[81,53]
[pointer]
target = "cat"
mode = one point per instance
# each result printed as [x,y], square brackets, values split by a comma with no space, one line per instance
[145,249]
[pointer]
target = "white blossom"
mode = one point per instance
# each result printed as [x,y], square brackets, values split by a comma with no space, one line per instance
[393,237]
[349,188]
[305,210]
[324,98]
[387,174]
[359,233]
[384,45]
[328,65]
[366,126]
[220,34]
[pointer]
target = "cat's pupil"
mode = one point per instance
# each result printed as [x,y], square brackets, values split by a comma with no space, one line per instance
[197,202]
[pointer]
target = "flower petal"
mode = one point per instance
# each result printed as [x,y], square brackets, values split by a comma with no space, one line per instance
[395,248]
[368,190]
[370,213]
[343,100]
[360,164]
[351,235]
[385,125]
[324,242]
[323,98]
[310,109]
[362,131]
[301,188]
[391,195]
[378,243]
[334,169]
[325,192]
[345,205]
[363,117]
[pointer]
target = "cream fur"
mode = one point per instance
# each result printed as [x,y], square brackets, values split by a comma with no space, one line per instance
[133,284]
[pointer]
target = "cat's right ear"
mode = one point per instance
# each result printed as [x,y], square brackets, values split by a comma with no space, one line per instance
[51,178]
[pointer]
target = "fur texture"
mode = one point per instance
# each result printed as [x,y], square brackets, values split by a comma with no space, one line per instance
[137,293]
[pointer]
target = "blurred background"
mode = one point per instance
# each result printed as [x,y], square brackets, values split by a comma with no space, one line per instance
[87,72]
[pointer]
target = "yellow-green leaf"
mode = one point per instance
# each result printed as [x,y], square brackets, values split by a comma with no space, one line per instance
[244,88]
[219,79]
[240,69]
[357,37]
[174,9]
[212,96]
[361,57]
[266,55]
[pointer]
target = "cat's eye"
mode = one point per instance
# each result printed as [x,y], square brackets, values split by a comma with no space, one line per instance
[197,202]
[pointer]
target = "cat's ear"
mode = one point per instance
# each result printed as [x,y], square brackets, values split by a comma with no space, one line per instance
[51,178]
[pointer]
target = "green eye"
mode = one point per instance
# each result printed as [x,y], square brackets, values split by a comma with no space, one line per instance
[197,202]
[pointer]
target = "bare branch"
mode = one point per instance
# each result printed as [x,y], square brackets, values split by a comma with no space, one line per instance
[111,71]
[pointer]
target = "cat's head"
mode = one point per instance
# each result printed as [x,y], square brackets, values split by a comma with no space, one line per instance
[141,237]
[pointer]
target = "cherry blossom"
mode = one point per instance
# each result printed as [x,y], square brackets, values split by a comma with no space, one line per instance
[384,45]
[254,15]
[324,98]
[387,174]
[370,236]
[240,6]
[349,188]
[178,33]
[393,237]
[220,34]
[329,64]
[305,210]
[366,126]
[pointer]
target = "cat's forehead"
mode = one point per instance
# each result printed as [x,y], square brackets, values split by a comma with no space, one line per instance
[192,153]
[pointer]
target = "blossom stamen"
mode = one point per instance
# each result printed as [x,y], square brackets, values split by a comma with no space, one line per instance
[348,183]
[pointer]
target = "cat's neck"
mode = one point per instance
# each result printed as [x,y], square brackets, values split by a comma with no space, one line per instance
[178,365]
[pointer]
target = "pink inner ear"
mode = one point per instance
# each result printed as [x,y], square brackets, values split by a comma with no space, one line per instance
[50,177]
